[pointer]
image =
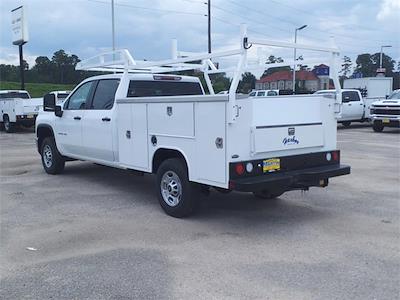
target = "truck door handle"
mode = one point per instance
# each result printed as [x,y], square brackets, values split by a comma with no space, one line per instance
[77,118]
[106,119]
[349,104]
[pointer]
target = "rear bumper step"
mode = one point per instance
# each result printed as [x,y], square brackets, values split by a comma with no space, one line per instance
[289,180]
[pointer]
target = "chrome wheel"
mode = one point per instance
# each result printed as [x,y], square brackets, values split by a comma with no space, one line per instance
[47,156]
[171,188]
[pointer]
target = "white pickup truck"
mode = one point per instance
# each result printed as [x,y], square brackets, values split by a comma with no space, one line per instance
[386,113]
[354,107]
[141,119]
[17,107]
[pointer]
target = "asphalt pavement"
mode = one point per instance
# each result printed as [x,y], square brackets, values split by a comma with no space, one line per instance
[99,233]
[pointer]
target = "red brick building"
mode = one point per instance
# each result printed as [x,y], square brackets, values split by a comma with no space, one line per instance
[317,79]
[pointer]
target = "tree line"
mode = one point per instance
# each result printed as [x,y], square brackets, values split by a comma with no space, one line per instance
[60,69]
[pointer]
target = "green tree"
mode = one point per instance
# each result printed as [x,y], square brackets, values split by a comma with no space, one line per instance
[273,59]
[367,64]
[346,66]
[247,83]
[220,82]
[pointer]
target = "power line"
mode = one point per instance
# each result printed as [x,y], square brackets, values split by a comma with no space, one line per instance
[297,24]
[151,9]
[312,13]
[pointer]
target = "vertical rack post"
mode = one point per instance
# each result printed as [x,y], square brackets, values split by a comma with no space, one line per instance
[233,109]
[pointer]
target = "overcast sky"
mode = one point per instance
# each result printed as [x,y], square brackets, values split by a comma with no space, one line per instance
[83,27]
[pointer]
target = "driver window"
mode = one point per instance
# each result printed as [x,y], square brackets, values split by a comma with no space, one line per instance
[80,96]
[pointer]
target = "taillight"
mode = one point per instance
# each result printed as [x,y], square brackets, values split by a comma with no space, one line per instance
[239,169]
[335,155]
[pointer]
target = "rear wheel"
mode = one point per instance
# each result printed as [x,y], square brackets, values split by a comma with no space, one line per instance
[176,194]
[264,194]
[346,123]
[52,160]
[8,126]
[377,127]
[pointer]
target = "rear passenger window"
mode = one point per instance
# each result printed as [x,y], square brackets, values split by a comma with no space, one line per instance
[272,93]
[350,96]
[105,94]
[142,88]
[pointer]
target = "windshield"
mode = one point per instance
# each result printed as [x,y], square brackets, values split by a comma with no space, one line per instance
[395,95]
[14,95]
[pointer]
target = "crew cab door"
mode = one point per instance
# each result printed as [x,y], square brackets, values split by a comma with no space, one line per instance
[69,126]
[99,122]
[353,106]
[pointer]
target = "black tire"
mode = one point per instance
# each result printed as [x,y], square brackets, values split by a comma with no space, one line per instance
[346,123]
[8,126]
[377,127]
[52,161]
[264,194]
[177,195]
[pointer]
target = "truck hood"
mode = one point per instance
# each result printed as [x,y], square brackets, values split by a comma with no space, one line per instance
[387,102]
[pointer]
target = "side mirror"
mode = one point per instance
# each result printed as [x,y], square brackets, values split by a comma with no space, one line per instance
[58,111]
[49,102]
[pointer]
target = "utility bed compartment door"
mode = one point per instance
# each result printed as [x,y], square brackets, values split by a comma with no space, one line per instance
[284,137]
[132,136]
[211,142]
[172,119]
[285,123]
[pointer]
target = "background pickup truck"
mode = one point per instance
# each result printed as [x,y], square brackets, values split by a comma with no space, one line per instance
[386,113]
[354,108]
[18,108]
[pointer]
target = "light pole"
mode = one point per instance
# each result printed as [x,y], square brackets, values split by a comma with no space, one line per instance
[380,60]
[294,58]
[112,25]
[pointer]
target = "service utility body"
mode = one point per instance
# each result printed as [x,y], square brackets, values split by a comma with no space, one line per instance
[141,119]
[18,108]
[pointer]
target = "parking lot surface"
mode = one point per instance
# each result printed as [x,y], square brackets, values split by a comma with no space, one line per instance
[99,233]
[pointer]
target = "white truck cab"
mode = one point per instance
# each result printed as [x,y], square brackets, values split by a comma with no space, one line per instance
[386,113]
[17,108]
[353,106]
[144,120]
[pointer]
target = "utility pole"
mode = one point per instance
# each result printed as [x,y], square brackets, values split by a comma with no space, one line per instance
[209,25]
[21,66]
[294,58]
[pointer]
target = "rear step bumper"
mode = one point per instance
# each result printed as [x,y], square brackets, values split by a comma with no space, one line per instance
[290,180]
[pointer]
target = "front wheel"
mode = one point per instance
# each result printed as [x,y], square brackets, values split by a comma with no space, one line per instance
[176,194]
[53,162]
[8,126]
[264,194]
[377,127]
